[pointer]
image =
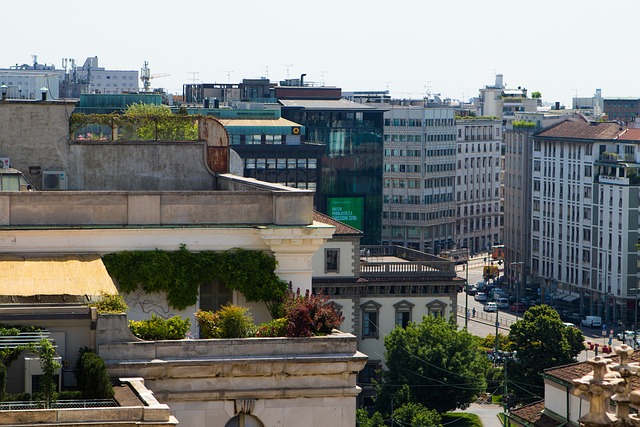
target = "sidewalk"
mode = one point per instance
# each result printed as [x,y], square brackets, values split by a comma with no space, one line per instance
[488,414]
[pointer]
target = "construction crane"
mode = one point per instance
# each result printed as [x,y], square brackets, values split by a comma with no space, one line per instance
[146,76]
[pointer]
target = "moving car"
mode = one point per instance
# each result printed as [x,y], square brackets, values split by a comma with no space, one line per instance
[518,307]
[491,306]
[481,296]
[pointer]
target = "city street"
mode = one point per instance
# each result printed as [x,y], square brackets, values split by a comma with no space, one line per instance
[484,323]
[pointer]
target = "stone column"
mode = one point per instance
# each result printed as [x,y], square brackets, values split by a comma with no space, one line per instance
[598,387]
[293,248]
[626,371]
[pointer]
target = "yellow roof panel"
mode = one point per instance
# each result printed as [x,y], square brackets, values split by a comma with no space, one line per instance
[54,275]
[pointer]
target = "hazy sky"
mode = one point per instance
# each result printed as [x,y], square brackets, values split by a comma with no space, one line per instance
[560,48]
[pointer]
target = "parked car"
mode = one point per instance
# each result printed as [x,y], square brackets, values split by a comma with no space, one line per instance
[491,306]
[481,296]
[569,325]
[502,303]
[626,334]
[592,322]
[518,307]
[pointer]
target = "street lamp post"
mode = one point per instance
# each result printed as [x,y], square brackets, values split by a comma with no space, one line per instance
[497,326]
[466,294]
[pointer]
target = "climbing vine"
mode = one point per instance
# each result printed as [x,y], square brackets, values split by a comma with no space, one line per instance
[179,274]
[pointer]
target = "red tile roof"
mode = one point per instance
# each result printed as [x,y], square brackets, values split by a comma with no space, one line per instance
[342,229]
[533,414]
[631,134]
[580,128]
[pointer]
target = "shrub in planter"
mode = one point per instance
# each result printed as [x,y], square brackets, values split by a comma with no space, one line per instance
[92,376]
[273,328]
[310,315]
[158,328]
[111,304]
[231,321]
[208,324]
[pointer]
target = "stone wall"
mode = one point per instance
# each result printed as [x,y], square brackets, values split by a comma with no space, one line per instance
[285,381]
[36,137]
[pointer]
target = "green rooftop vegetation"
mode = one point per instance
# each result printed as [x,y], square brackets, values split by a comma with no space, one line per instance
[523,124]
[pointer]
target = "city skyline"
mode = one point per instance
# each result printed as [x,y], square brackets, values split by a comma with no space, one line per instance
[410,48]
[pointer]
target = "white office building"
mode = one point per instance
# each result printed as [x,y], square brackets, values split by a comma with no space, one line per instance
[419,177]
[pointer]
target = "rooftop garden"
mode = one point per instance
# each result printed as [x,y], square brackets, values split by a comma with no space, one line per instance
[180,274]
[139,122]
[523,124]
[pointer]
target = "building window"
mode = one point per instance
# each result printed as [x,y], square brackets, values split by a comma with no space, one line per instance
[214,295]
[370,319]
[370,372]
[403,313]
[436,308]
[332,260]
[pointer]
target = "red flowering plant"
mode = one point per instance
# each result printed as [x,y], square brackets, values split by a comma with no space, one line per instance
[310,314]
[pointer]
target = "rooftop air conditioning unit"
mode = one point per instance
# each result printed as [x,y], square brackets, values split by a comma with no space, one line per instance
[54,180]
[4,162]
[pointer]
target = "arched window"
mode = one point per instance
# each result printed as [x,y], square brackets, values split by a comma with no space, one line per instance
[244,420]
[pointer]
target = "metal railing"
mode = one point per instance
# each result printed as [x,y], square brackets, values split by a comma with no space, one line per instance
[60,404]
[488,317]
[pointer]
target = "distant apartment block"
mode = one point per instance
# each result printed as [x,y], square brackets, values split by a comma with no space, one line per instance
[584,225]
[419,178]
[479,218]
[622,109]
[591,106]
[500,101]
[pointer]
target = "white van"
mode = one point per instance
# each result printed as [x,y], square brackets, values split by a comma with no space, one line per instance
[592,321]
[502,303]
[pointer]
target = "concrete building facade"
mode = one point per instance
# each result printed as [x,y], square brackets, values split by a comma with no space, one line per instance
[135,199]
[479,217]
[419,178]
[584,224]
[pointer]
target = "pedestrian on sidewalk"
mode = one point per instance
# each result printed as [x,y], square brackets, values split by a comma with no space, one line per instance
[474,312]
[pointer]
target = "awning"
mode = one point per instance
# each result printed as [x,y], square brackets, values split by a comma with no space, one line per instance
[81,275]
[570,298]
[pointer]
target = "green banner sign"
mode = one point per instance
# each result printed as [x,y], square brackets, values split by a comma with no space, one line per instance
[346,209]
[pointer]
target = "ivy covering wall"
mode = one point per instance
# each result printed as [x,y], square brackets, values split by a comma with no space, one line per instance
[179,274]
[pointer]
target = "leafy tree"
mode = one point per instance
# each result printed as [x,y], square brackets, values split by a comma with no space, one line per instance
[541,341]
[415,414]
[363,419]
[439,367]
[536,95]
[49,365]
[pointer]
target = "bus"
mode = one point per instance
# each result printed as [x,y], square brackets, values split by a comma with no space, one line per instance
[458,256]
[497,252]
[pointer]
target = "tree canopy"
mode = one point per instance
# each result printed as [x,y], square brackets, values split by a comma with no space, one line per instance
[434,364]
[541,341]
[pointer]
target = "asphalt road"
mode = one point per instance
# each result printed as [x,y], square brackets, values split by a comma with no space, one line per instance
[484,323]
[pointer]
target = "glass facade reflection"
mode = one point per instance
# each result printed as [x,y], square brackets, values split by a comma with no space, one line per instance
[352,160]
